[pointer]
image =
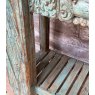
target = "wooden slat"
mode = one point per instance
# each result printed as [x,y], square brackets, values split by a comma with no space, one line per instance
[55,72]
[71,78]
[48,68]
[44,32]
[40,55]
[78,83]
[62,76]
[85,89]
[45,61]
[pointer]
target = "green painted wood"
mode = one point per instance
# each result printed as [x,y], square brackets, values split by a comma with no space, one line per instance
[20,47]
[52,76]
[71,78]
[41,91]
[62,76]
[80,9]
[49,68]
[62,9]
[12,76]
[85,88]
[45,61]
[78,83]
[75,72]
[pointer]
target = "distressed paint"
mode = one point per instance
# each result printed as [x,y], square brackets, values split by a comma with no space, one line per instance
[62,9]
[41,91]
[48,8]
[12,76]
[20,48]
[80,9]
[66,10]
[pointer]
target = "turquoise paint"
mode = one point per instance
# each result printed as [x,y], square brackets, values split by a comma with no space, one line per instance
[66,11]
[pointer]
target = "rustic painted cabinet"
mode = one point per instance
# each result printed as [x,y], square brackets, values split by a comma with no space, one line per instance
[46,72]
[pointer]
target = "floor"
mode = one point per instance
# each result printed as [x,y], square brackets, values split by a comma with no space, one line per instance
[61,75]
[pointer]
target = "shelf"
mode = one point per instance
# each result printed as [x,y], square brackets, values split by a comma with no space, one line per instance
[61,75]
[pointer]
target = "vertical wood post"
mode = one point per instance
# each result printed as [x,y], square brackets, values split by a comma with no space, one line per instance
[20,45]
[44,32]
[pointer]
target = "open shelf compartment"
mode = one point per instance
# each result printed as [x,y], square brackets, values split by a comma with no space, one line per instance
[59,74]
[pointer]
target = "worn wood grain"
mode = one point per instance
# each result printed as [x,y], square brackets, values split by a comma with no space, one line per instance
[44,32]
[40,55]
[78,83]
[66,38]
[71,78]
[20,47]
[85,88]
[52,76]
[45,61]
[49,68]
[62,76]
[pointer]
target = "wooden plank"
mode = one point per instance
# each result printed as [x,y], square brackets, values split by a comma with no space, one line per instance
[78,83]
[85,88]
[44,32]
[40,55]
[55,72]
[45,61]
[20,46]
[49,68]
[71,78]
[62,76]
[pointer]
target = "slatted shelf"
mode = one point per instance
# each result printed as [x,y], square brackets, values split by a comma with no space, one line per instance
[61,75]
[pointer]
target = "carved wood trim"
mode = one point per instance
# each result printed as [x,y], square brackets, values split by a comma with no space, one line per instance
[64,10]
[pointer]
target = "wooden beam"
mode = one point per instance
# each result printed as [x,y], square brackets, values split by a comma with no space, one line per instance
[44,32]
[20,47]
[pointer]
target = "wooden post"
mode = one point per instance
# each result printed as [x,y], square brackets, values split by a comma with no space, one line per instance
[44,32]
[21,65]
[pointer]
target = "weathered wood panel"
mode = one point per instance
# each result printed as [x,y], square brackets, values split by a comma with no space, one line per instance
[66,38]
[20,47]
